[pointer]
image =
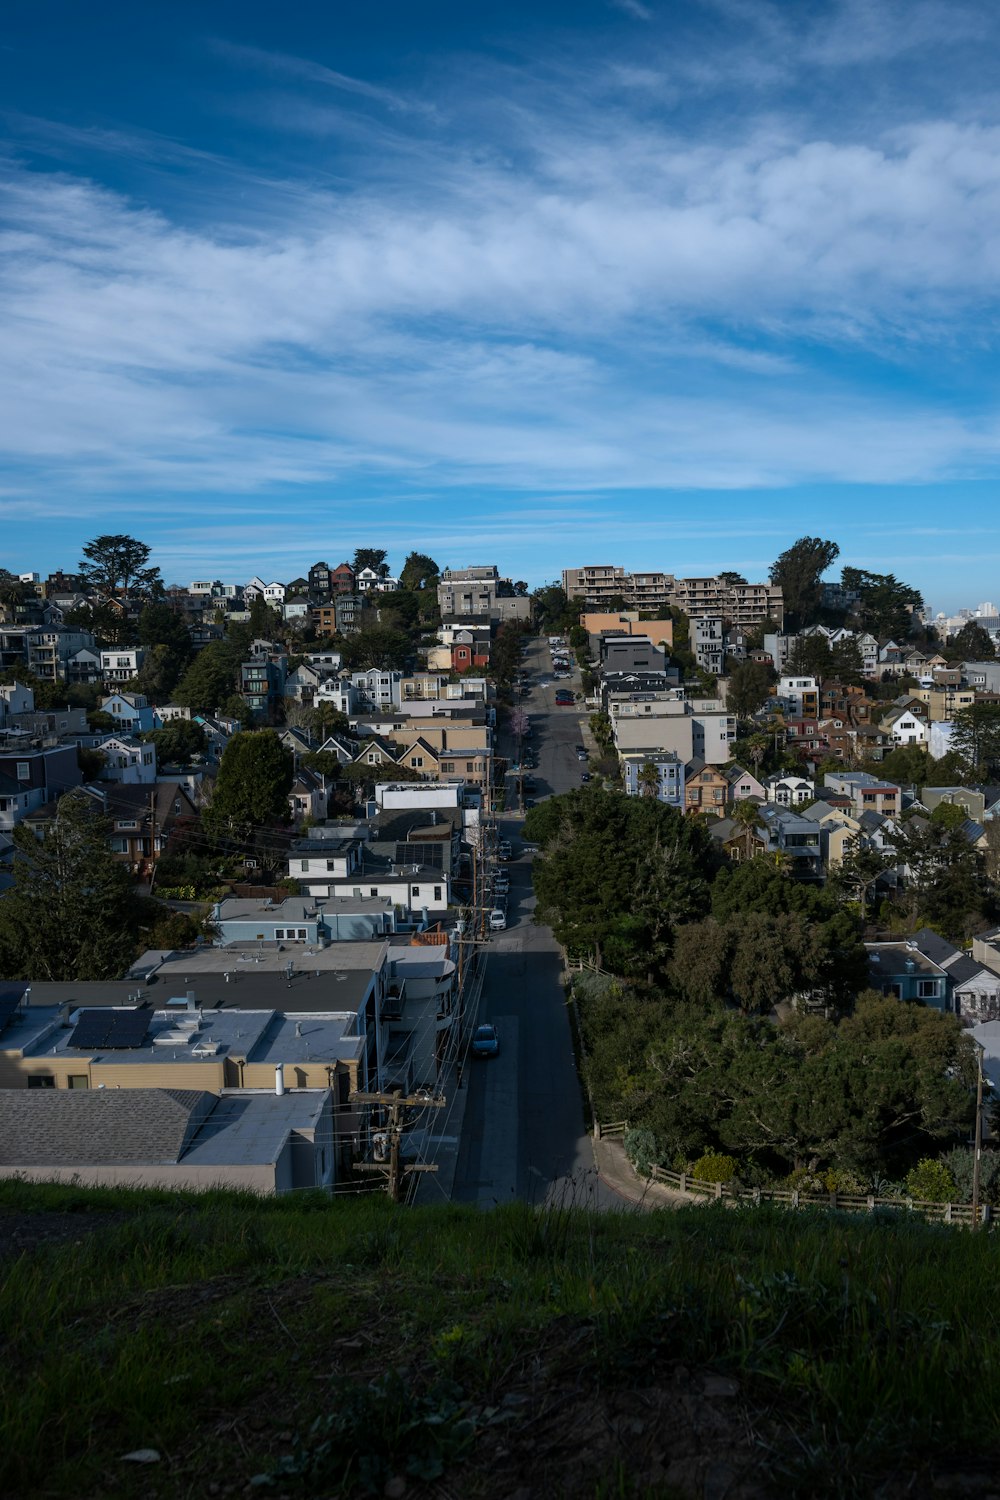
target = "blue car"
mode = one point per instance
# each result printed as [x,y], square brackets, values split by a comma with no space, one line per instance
[486,1042]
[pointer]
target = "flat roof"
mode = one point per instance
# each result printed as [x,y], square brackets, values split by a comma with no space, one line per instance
[250,1129]
[198,1036]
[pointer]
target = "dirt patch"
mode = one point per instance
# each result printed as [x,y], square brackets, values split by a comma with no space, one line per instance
[22,1232]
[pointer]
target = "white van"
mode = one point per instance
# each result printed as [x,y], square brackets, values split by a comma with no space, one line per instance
[498,920]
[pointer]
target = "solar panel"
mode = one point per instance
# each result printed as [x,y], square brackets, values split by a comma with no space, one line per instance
[91,1029]
[128,1029]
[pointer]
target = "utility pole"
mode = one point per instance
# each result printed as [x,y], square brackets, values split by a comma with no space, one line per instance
[977,1160]
[396,1102]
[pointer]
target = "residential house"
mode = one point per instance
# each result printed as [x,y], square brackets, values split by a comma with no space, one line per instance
[867,792]
[122,664]
[669,769]
[792,837]
[308,796]
[330,867]
[262,685]
[798,696]
[901,969]
[38,775]
[906,723]
[706,788]
[971,799]
[743,785]
[789,791]
[708,643]
[131,712]
[974,988]
[126,760]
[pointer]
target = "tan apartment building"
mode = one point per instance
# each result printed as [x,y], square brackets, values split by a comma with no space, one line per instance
[743,605]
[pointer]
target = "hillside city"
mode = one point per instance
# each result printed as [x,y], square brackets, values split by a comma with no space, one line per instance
[293,872]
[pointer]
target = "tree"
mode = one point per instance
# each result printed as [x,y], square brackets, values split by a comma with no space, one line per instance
[369,557]
[749,687]
[859,869]
[419,572]
[108,625]
[944,884]
[746,816]
[811,655]
[618,874]
[177,741]
[649,780]
[118,565]
[159,673]
[887,605]
[971,643]
[265,621]
[208,681]
[797,572]
[70,914]
[251,790]
[976,738]
[12,593]
[377,646]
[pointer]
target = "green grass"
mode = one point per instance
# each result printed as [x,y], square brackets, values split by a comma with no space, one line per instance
[330,1345]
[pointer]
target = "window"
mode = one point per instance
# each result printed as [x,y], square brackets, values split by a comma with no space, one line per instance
[78,1081]
[927,989]
[373,890]
[417,761]
[416,890]
[41,1081]
[437,893]
[23,771]
[304,864]
[470,765]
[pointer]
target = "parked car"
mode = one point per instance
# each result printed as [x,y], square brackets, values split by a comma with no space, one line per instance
[486,1041]
[498,919]
[585,777]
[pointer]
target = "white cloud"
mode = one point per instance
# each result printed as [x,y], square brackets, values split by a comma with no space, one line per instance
[582,299]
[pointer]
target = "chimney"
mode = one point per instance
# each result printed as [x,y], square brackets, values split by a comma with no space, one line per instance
[279,1080]
[192,1004]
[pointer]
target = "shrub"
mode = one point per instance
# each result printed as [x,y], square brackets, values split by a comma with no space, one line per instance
[714,1166]
[960,1162]
[640,1148]
[931,1182]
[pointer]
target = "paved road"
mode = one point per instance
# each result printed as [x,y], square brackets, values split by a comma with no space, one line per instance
[523,1133]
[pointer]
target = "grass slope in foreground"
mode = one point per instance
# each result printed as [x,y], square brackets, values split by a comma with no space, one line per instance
[327,1349]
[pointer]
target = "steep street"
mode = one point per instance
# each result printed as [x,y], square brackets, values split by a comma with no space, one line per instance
[523,1134]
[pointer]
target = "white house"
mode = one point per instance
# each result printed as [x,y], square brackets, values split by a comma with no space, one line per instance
[122,664]
[789,791]
[129,761]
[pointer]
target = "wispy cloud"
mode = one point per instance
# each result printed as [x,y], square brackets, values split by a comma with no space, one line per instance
[306,71]
[633,8]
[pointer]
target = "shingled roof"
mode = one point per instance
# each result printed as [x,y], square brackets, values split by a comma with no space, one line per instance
[67,1127]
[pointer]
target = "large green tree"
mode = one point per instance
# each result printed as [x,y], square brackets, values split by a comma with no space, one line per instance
[976,738]
[251,790]
[209,681]
[71,912]
[971,643]
[749,687]
[419,572]
[618,874]
[798,572]
[379,646]
[119,565]
[887,604]
[370,557]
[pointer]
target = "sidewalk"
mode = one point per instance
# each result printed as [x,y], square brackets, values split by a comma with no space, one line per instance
[616,1172]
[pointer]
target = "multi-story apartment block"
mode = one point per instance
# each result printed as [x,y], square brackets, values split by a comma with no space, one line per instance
[480,591]
[740,604]
[122,664]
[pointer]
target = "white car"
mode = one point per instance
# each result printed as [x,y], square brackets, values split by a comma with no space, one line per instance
[498,920]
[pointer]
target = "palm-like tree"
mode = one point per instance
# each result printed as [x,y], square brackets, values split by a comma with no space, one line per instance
[746,817]
[649,780]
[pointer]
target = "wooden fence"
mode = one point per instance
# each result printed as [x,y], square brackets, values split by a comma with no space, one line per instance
[683,1182]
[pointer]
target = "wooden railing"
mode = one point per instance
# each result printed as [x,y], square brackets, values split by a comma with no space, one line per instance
[683,1182]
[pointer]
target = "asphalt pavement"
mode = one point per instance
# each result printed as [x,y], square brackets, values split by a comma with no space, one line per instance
[518,1130]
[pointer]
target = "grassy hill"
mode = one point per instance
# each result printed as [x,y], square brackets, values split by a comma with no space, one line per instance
[298,1347]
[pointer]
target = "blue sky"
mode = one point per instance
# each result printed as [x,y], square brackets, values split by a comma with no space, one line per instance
[664,284]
